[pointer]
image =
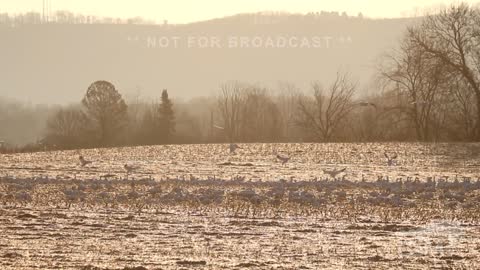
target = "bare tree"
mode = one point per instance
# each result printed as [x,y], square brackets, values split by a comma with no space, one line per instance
[456,112]
[188,126]
[328,109]
[136,111]
[453,37]
[413,72]
[230,103]
[365,123]
[260,119]
[148,131]
[67,128]
[287,99]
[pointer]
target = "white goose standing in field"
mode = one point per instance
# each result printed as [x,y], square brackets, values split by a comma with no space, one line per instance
[130,168]
[334,173]
[234,147]
[283,159]
[84,162]
[391,160]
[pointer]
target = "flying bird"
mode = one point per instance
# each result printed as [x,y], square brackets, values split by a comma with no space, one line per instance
[334,173]
[83,161]
[391,160]
[366,104]
[234,147]
[283,159]
[421,103]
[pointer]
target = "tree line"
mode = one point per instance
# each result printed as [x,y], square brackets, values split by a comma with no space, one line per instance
[428,89]
[65,17]
[103,119]
[436,75]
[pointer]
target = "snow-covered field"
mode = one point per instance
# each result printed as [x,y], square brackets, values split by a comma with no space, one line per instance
[200,206]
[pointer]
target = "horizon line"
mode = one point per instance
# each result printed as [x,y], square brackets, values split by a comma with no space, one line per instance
[147,21]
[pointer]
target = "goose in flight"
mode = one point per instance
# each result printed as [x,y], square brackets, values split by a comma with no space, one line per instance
[283,159]
[234,147]
[334,173]
[84,162]
[391,160]
[421,103]
[366,104]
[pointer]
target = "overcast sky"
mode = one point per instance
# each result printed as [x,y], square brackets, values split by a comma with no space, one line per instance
[183,11]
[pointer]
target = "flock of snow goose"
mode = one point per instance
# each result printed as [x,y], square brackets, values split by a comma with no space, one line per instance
[391,160]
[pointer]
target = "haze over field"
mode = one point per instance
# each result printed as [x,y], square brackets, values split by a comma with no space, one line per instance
[55,63]
[218,135]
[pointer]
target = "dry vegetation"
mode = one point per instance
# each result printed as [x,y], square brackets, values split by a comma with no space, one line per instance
[200,205]
[263,206]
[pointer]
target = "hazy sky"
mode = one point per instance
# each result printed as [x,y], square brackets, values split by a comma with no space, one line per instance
[182,11]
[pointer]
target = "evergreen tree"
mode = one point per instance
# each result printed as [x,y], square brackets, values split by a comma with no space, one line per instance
[166,119]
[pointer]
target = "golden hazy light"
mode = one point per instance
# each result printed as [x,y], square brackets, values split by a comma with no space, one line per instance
[184,11]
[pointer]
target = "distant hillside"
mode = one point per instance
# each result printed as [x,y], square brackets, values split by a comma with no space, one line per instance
[55,63]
